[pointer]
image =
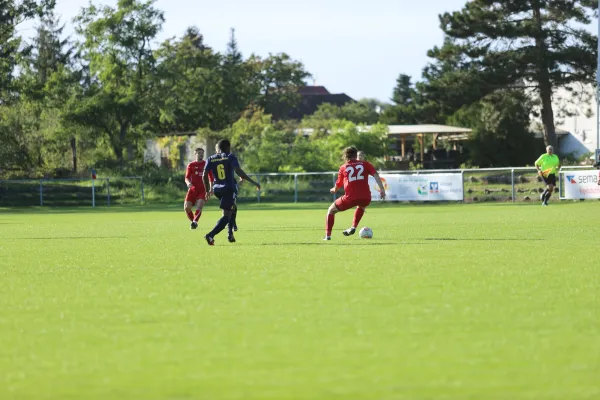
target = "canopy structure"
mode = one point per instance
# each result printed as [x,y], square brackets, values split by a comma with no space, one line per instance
[442,132]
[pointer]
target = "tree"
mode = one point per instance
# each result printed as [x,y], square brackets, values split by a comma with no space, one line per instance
[374,141]
[500,124]
[13,13]
[405,109]
[525,44]
[277,78]
[239,88]
[357,112]
[188,85]
[403,92]
[121,65]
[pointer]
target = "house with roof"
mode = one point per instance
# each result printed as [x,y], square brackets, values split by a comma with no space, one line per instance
[312,97]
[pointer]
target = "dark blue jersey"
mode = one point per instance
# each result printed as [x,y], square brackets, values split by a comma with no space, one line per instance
[222,166]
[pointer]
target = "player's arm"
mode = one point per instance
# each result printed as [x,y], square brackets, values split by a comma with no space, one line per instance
[538,162]
[339,183]
[207,182]
[188,177]
[380,184]
[240,172]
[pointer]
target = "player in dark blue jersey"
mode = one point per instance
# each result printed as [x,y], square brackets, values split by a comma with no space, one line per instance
[223,165]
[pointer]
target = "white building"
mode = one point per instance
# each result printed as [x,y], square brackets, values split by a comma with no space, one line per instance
[575,120]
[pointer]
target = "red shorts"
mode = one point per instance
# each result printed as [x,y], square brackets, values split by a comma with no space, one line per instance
[194,194]
[345,203]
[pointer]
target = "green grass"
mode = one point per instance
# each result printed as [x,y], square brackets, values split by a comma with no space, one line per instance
[489,301]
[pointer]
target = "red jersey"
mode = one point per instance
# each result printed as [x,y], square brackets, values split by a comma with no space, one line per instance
[194,172]
[354,177]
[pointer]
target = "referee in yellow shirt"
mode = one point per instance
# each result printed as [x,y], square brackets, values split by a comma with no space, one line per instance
[547,167]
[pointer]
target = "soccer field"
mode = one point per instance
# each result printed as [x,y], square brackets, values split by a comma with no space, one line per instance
[487,301]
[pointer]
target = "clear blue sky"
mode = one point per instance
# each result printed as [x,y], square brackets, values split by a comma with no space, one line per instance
[354,46]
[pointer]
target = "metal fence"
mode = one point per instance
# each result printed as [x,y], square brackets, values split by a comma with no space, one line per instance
[72,191]
[479,185]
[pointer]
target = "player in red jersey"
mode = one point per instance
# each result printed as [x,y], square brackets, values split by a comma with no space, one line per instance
[354,178]
[196,192]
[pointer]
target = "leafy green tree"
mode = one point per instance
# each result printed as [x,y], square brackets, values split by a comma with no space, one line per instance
[276,79]
[374,141]
[500,124]
[357,112]
[239,85]
[121,64]
[539,44]
[13,13]
[188,85]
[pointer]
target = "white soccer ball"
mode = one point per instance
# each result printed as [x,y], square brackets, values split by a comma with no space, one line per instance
[366,233]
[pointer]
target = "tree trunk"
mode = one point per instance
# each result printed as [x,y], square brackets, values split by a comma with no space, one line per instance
[543,77]
[123,126]
[74,153]
[548,115]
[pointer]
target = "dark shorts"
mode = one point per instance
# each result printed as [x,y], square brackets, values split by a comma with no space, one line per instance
[550,180]
[227,198]
[345,203]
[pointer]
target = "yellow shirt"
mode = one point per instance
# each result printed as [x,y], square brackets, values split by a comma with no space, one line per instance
[548,163]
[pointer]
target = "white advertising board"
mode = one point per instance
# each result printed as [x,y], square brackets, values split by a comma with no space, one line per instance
[426,187]
[581,184]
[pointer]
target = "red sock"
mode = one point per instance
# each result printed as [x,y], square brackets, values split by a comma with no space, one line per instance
[358,214]
[197,215]
[190,215]
[329,226]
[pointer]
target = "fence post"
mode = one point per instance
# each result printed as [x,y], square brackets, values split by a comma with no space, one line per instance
[93,193]
[108,192]
[258,191]
[295,188]
[462,176]
[333,185]
[142,184]
[512,182]
[41,192]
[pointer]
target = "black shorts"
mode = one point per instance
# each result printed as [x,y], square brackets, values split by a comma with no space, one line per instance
[550,180]
[227,198]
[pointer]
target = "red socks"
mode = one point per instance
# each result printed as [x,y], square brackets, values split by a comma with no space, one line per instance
[197,215]
[358,214]
[329,223]
[190,215]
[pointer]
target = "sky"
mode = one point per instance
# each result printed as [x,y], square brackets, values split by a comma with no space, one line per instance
[357,47]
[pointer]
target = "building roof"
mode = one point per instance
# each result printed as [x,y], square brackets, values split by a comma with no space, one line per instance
[449,132]
[415,129]
[313,90]
[310,102]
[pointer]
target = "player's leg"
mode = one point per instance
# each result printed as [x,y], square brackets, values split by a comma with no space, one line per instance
[231,224]
[330,220]
[227,201]
[340,204]
[361,206]
[199,206]
[548,194]
[549,189]
[187,206]
[233,221]
[545,192]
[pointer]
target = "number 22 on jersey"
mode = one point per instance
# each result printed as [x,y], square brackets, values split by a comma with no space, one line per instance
[221,171]
[355,173]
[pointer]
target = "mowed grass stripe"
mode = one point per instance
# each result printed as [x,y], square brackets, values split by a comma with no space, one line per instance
[446,302]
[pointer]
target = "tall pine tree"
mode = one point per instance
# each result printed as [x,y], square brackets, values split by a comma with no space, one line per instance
[525,44]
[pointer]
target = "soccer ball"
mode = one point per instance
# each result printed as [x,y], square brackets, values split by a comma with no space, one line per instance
[366,233]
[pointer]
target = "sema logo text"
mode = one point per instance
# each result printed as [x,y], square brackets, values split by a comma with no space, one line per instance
[582,179]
